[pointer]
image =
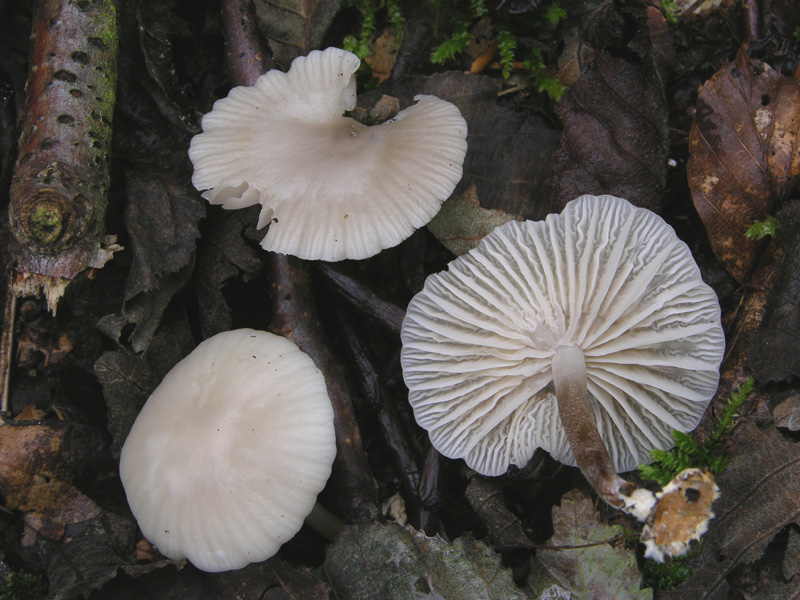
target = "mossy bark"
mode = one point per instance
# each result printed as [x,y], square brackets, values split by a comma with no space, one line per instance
[60,182]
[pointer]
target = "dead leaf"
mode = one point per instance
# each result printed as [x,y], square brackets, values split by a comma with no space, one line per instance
[386,560]
[590,570]
[787,413]
[760,496]
[222,255]
[128,379]
[509,152]
[36,479]
[744,156]
[294,27]
[461,223]
[162,217]
[615,137]
[774,353]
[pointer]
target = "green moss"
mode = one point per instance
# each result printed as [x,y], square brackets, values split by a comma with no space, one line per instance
[689,452]
[20,585]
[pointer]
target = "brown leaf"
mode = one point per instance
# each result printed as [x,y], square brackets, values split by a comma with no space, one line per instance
[787,413]
[35,478]
[615,136]
[294,27]
[744,155]
[774,353]
[760,496]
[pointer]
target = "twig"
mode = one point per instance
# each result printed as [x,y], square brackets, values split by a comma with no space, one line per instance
[364,299]
[384,408]
[752,21]
[6,346]
[295,316]
[60,181]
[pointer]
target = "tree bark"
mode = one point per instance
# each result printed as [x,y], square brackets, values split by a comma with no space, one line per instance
[61,178]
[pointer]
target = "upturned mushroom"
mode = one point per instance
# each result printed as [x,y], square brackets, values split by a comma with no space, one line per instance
[226,458]
[590,335]
[330,188]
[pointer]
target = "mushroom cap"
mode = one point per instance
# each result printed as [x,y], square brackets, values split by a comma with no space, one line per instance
[330,187]
[604,275]
[227,457]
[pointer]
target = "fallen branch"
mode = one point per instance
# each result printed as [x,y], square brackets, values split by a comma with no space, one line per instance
[61,178]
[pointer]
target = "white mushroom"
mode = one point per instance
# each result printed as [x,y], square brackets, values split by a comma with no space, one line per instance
[590,334]
[227,457]
[330,187]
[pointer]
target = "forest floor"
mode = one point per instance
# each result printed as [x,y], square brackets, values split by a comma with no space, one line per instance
[691,110]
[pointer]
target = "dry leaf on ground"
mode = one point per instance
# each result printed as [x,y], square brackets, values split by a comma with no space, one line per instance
[744,155]
[587,569]
[615,136]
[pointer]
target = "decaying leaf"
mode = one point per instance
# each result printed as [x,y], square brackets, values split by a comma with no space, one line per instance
[615,136]
[787,413]
[294,27]
[509,153]
[760,496]
[35,478]
[386,560]
[222,255]
[128,379]
[162,216]
[462,222]
[774,353]
[170,580]
[586,568]
[744,155]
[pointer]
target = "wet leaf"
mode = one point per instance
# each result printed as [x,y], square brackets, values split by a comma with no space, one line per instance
[386,560]
[509,152]
[128,379]
[591,570]
[224,254]
[170,580]
[461,223]
[35,478]
[162,218]
[787,413]
[774,353]
[615,137]
[760,496]
[294,27]
[744,155]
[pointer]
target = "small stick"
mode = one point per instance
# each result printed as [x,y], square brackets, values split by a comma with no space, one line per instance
[7,345]
[364,299]
[61,178]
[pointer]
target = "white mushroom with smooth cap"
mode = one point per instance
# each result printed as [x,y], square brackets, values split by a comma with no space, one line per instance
[226,458]
[591,335]
[330,187]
